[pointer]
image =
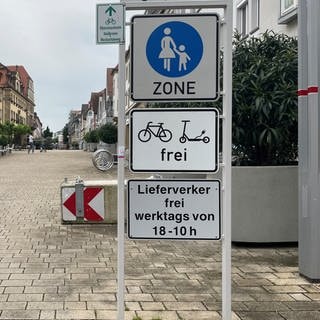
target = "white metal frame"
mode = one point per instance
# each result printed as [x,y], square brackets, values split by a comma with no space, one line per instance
[227,5]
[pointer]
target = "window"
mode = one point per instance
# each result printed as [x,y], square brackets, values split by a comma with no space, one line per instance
[248,12]
[288,10]
[287,5]
[242,17]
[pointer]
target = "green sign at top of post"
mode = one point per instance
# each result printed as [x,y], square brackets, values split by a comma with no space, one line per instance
[110,23]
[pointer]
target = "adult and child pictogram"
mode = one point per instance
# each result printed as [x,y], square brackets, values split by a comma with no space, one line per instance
[174,49]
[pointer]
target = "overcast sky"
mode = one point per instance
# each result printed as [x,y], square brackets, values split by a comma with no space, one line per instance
[55,42]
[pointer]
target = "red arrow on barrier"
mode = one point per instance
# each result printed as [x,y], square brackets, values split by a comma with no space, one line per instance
[88,195]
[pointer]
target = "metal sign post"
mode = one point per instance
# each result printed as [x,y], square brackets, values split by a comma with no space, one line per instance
[121,186]
[190,89]
[226,172]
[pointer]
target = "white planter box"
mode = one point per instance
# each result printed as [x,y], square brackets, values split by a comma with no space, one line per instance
[265,204]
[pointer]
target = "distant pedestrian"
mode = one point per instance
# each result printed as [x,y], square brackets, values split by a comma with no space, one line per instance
[31,143]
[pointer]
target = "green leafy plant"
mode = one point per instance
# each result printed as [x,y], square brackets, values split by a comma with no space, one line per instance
[108,133]
[19,133]
[265,118]
[3,140]
[91,136]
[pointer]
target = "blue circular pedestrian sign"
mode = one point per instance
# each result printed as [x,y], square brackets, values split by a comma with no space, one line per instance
[174,49]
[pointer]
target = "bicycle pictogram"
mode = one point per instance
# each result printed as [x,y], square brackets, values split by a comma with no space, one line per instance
[156,130]
[110,21]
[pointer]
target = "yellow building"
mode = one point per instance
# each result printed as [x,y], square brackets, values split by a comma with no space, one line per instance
[16,95]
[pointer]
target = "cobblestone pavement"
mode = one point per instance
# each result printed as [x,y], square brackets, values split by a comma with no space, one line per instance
[54,271]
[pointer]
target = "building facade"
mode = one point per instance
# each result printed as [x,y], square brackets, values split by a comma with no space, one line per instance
[16,96]
[252,17]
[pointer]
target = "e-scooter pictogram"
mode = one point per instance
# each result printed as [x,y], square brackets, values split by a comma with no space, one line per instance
[184,138]
[156,130]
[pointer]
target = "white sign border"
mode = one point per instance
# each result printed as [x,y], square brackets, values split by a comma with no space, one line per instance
[121,33]
[215,170]
[172,180]
[217,80]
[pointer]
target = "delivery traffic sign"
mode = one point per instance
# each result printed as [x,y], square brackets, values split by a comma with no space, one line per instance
[174,209]
[175,57]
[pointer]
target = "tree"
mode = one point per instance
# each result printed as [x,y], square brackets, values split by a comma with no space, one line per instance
[91,136]
[47,133]
[7,130]
[108,133]
[65,133]
[19,131]
[13,133]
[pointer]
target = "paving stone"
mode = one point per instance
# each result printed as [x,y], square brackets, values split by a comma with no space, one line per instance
[112,315]
[75,314]
[12,305]
[102,305]
[199,315]
[97,297]
[163,315]
[272,297]
[154,306]
[20,314]
[25,297]
[262,316]
[299,315]
[70,305]
[45,305]
[304,305]
[190,306]
[299,297]
[284,289]
[47,314]
[61,297]
[266,306]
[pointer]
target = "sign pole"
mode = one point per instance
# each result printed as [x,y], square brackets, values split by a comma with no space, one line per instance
[121,194]
[226,172]
[309,151]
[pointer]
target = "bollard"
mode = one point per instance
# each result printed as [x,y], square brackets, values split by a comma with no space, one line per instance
[79,200]
[89,201]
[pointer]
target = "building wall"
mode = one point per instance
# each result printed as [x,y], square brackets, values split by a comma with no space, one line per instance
[253,17]
[269,19]
[16,96]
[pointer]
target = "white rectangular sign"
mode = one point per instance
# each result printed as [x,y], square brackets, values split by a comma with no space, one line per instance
[174,209]
[175,57]
[110,23]
[174,140]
